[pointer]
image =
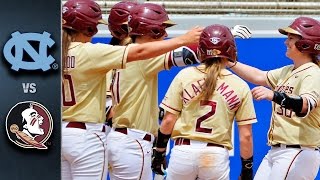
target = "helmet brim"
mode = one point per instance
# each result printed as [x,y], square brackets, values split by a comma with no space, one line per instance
[287,30]
[169,23]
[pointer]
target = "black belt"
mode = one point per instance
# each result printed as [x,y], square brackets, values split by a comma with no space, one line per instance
[296,146]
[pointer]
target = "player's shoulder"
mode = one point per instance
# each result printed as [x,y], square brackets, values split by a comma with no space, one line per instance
[284,69]
[310,69]
[189,70]
[237,82]
[234,77]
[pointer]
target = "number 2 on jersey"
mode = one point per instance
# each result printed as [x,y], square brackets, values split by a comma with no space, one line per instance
[206,116]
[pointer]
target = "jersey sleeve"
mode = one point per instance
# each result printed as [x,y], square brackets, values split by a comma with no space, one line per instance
[155,65]
[310,88]
[172,101]
[273,76]
[246,114]
[105,57]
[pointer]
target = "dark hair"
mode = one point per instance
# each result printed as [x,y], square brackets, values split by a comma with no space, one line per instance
[114,41]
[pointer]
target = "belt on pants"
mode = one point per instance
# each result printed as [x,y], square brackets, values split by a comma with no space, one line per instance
[297,146]
[147,137]
[182,141]
[81,125]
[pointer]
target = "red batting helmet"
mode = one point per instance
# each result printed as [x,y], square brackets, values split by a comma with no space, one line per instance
[309,30]
[82,16]
[149,19]
[217,41]
[118,19]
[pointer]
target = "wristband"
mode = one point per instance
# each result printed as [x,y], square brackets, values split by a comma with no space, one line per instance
[162,139]
[247,163]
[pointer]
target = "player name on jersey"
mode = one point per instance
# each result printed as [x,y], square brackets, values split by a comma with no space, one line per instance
[224,89]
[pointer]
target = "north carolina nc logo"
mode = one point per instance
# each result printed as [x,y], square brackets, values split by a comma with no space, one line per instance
[20,42]
[29,125]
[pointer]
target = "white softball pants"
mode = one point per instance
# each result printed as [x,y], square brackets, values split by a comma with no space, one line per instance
[129,155]
[197,161]
[83,153]
[289,163]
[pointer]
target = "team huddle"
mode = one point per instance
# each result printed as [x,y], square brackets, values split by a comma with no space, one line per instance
[110,104]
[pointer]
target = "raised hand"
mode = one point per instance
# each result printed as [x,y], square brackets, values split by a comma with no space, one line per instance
[192,36]
[241,31]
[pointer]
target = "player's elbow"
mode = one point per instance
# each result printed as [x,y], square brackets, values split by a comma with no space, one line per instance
[245,134]
[246,138]
[137,53]
[260,78]
[168,122]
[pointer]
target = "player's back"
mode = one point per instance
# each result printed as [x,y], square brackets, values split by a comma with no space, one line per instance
[135,93]
[210,120]
[84,83]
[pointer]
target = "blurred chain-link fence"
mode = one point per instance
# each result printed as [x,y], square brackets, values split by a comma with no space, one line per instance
[233,7]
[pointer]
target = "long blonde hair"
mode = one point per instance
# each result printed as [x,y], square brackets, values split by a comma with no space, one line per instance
[213,69]
[67,38]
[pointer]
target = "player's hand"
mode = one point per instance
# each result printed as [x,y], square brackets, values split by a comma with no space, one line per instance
[192,36]
[159,163]
[241,31]
[261,92]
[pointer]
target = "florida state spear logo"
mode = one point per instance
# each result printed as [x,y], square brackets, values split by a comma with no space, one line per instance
[29,125]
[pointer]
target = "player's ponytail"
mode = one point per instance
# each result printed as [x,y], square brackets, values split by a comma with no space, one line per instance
[213,69]
[67,38]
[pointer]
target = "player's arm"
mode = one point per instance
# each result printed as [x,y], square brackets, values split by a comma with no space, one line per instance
[157,48]
[249,73]
[246,151]
[165,130]
[300,105]
[164,133]
[184,56]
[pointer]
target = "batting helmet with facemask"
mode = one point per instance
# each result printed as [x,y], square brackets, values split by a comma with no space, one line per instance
[82,16]
[309,30]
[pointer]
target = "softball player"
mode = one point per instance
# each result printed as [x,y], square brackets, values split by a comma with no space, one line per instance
[84,85]
[135,96]
[201,104]
[294,128]
[118,26]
